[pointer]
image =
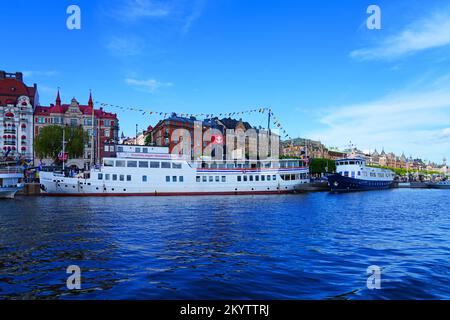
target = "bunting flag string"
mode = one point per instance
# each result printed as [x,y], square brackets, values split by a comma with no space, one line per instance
[275,120]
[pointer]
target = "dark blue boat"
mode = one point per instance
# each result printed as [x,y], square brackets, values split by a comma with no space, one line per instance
[353,175]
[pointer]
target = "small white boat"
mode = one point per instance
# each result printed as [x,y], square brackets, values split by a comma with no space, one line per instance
[439,185]
[11,180]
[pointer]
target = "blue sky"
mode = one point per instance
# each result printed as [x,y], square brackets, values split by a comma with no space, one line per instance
[323,72]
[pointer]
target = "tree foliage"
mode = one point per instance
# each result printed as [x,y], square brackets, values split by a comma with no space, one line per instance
[49,141]
[321,165]
[148,140]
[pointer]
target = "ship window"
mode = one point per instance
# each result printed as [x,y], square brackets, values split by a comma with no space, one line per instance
[108,163]
[107,176]
[144,150]
[121,177]
[239,178]
[204,178]
[245,178]
[352,162]
[114,177]
[119,149]
[263,178]
[100,176]
[167,178]
[268,178]
[359,173]
[256,178]
[128,178]
[143,164]
[120,163]
[230,165]
[138,150]
[274,177]
[251,178]
[353,174]
[154,164]
[345,173]
[131,164]
[198,178]
[217,179]
[174,179]
[211,178]
[144,178]
[176,165]
[224,179]
[165,165]
[181,179]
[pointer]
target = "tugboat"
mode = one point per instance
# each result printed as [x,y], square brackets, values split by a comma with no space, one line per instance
[11,180]
[352,174]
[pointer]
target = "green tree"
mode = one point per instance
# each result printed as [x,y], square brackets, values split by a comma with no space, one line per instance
[321,165]
[148,139]
[49,141]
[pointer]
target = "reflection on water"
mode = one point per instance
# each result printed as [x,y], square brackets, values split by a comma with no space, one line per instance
[312,246]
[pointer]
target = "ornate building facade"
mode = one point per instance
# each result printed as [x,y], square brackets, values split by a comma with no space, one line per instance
[17,103]
[103,125]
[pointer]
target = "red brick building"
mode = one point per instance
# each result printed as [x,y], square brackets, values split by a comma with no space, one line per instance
[106,127]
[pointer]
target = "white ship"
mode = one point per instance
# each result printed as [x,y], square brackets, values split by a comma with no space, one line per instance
[149,172]
[11,180]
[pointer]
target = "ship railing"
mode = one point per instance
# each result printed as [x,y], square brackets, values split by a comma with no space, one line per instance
[10,170]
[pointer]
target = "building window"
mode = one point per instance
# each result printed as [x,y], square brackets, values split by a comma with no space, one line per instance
[108,163]
[143,164]
[154,164]
[120,163]
[165,165]
[132,164]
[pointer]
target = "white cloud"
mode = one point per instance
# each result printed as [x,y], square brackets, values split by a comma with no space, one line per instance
[125,46]
[37,73]
[150,85]
[415,121]
[428,33]
[134,10]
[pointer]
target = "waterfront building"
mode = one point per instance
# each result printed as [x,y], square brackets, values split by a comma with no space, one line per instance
[17,103]
[103,125]
[162,135]
[301,147]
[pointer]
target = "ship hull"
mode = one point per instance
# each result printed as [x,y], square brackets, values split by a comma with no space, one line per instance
[8,193]
[438,186]
[340,183]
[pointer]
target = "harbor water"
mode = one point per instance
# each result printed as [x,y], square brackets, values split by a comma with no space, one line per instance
[306,246]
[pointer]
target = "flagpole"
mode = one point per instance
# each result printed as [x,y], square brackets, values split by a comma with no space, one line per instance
[63,148]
